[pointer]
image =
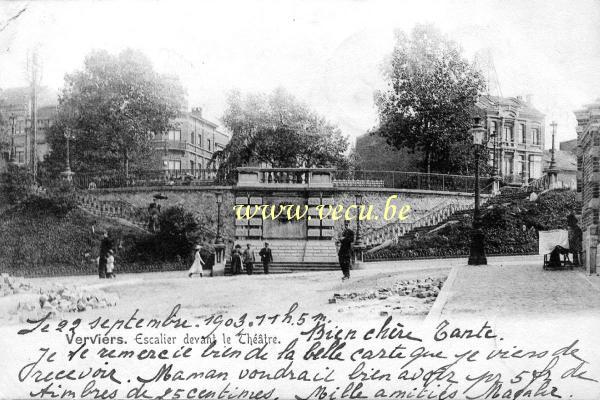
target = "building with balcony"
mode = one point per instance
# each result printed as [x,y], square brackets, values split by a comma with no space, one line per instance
[16,117]
[588,179]
[516,137]
[190,144]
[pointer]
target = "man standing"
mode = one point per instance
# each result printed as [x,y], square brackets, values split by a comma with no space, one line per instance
[266,257]
[345,251]
[249,259]
[105,246]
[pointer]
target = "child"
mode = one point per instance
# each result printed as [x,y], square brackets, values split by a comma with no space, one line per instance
[110,264]
[198,263]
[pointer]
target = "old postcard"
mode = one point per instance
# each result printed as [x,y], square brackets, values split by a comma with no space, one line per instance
[303,200]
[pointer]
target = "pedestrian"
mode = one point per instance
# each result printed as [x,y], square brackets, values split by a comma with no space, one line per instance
[266,256]
[105,246]
[249,259]
[110,264]
[153,212]
[575,239]
[345,251]
[198,263]
[236,260]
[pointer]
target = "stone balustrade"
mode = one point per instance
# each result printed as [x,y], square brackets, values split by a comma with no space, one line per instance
[285,177]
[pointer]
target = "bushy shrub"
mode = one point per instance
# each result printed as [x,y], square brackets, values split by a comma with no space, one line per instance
[177,227]
[18,184]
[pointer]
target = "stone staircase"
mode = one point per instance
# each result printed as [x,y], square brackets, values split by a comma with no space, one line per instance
[293,255]
[116,209]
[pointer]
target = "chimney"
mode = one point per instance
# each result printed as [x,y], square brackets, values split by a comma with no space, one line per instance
[197,111]
[520,98]
[529,98]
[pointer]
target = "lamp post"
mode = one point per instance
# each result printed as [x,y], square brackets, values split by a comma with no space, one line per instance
[219,265]
[552,171]
[358,244]
[69,119]
[219,198]
[477,253]
[67,173]
[13,154]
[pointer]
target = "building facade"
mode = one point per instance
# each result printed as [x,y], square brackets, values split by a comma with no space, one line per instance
[17,127]
[190,144]
[516,138]
[588,179]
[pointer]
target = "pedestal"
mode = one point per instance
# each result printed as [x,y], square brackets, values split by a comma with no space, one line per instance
[359,251]
[67,175]
[219,267]
[496,185]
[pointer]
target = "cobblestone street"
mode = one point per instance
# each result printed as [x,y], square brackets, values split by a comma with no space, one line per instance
[521,288]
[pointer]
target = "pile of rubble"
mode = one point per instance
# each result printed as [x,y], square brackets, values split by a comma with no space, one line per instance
[59,299]
[53,299]
[10,285]
[427,289]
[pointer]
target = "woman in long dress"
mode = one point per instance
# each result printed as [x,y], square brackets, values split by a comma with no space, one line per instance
[198,263]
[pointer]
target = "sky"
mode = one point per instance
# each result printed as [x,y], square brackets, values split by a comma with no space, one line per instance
[329,54]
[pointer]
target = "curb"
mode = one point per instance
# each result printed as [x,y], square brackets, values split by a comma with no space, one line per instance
[440,302]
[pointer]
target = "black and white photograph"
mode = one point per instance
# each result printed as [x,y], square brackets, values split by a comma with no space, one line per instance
[299,200]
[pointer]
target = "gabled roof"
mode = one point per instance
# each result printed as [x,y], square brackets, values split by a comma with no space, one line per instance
[508,105]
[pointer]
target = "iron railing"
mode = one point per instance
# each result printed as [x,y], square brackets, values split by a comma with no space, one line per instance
[196,177]
[407,180]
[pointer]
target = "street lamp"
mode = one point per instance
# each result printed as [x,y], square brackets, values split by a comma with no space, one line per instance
[477,254]
[552,170]
[358,244]
[219,267]
[12,140]
[219,197]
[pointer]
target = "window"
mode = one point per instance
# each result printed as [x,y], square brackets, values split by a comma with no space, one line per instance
[174,165]
[595,191]
[535,167]
[535,136]
[20,157]
[596,164]
[193,136]
[493,128]
[522,133]
[596,140]
[175,135]
[208,144]
[508,134]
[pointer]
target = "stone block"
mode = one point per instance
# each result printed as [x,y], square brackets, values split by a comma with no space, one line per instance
[327,222]
[326,232]
[255,232]
[243,232]
[256,222]
[241,222]
[313,201]
[328,201]
[313,211]
[256,200]
[241,200]
[314,222]
[314,232]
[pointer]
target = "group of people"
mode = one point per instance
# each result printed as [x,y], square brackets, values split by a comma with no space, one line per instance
[106,260]
[244,260]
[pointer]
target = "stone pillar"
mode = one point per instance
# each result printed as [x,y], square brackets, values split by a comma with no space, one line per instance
[219,267]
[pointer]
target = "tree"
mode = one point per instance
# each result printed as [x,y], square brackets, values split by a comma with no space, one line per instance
[429,100]
[111,108]
[279,130]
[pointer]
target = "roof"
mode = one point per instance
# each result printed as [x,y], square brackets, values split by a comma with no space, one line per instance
[507,104]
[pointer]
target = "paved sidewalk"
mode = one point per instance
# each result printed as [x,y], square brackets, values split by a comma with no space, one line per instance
[506,289]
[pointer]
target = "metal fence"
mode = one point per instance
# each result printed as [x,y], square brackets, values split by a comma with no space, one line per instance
[410,180]
[341,179]
[197,177]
